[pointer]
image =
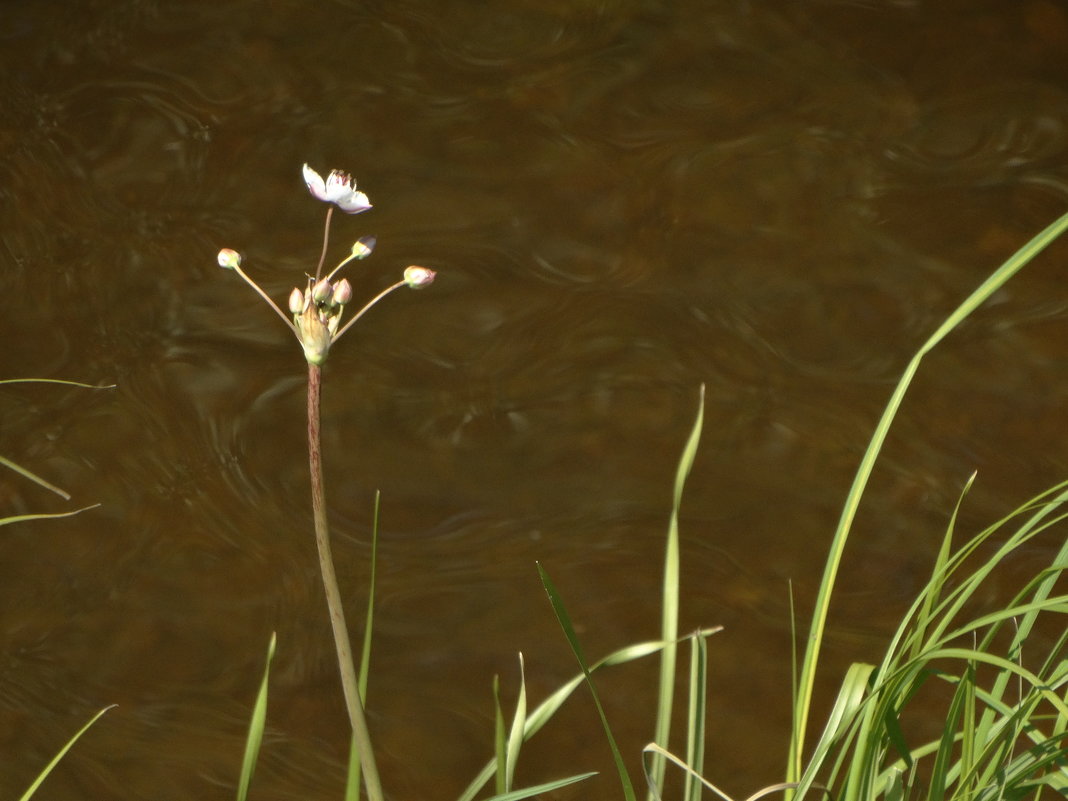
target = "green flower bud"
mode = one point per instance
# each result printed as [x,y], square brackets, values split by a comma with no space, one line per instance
[363,247]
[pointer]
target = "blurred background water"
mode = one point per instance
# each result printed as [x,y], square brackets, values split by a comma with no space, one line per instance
[625,199]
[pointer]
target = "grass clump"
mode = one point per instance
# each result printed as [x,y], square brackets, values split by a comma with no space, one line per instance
[1005,730]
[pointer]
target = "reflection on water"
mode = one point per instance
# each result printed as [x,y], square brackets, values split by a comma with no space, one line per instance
[624,200]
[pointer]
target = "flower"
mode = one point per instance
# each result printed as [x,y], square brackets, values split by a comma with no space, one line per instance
[339,188]
[417,277]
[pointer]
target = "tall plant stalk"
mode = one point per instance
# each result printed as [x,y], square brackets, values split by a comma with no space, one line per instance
[346,665]
[316,323]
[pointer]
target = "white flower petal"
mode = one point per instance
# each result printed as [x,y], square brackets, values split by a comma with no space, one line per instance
[354,203]
[315,183]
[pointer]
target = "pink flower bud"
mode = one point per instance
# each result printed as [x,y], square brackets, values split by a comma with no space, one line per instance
[296,301]
[417,277]
[321,291]
[342,293]
[229,258]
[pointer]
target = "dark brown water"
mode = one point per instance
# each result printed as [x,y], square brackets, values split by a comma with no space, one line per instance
[624,200]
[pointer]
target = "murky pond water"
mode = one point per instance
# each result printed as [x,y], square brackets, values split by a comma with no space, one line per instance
[624,200]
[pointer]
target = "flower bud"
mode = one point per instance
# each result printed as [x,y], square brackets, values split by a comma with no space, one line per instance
[296,301]
[417,277]
[363,247]
[314,336]
[321,291]
[342,293]
[229,258]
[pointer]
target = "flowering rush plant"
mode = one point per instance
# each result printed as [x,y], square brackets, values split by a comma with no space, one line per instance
[318,308]
[316,312]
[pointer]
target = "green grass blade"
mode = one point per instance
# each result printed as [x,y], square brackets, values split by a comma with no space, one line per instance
[255,727]
[353,774]
[36,479]
[696,712]
[968,743]
[369,618]
[938,574]
[56,381]
[545,711]
[22,471]
[572,640]
[655,750]
[538,789]
[499,748]
[1036,683]
[669,626]
[22,518]
[841,721]
[947,743]
[815,639]
[62,752]
[515,734]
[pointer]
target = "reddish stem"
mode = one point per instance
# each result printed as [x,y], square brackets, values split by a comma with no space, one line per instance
[333,594]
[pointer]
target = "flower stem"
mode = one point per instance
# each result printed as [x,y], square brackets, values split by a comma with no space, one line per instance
[349,683]
[351,257]
[237,269]
[367,306]
[326,241]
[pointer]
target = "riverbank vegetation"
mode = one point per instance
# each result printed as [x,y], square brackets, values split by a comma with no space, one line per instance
[991,670]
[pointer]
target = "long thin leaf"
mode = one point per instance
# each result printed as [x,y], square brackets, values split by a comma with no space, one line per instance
[255,727]
[545,711]
[499,748]
[515,734]
[691,774]
[56,381]
[22,471]
[669,626]
[572,640]
[22,518]
[931,597]
[62,752]
[697,709]
[36,479]
[354,774]
[944,756]
[538,789]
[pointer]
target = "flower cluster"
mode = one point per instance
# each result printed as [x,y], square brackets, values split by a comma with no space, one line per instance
[317,309]
[317,314]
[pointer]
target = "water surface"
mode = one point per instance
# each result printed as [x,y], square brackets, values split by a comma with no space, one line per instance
[624,200]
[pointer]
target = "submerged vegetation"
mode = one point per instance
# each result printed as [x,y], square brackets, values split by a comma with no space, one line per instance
[994,677]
